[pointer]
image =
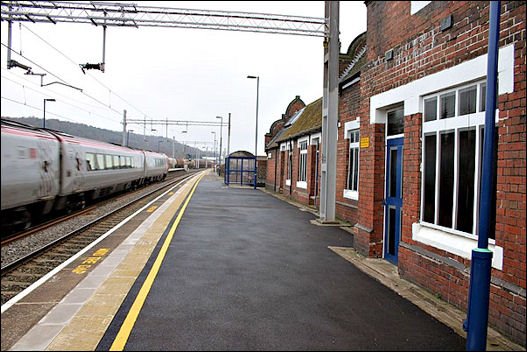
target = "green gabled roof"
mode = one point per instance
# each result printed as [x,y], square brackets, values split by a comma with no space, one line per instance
[309,121]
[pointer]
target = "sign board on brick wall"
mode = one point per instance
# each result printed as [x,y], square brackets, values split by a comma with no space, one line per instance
[365,142]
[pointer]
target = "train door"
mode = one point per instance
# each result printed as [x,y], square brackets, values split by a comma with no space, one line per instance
[74,168]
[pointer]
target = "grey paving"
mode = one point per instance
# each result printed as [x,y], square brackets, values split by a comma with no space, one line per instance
[246,271]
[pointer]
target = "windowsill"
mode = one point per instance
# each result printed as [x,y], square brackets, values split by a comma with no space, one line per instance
[302,184]
[354,195]
[288,182]
[455,244]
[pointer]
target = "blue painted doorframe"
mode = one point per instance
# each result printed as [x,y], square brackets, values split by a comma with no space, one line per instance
[393,201]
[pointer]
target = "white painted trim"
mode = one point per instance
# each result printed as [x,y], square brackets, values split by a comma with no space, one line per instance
[355,80]
[351,125]
[300,140]
[283,147]
[416,6]
[349,194]
[313,136]
[412,93]
[392,137]
[288,182]
[301,184]
[458,245]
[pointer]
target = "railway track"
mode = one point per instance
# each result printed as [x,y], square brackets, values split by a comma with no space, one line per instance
[23,272]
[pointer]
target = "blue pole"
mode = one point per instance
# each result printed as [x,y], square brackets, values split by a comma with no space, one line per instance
[227,171]
[255,172]
[481,267]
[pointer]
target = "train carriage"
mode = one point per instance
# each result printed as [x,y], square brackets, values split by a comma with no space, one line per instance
[45,170]
[156,166]
[30,169]
[97,168]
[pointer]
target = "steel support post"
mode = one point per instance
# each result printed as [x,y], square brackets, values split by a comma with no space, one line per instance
[124,129]
[481,264]
[9,40]
[328,165]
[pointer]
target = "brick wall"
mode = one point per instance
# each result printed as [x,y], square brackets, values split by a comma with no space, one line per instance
[271,179]
[349,109]
[420,48]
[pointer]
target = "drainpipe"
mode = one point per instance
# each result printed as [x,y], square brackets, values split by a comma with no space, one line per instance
[481,265]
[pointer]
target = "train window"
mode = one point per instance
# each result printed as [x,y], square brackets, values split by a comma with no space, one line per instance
[100,162]
[128,161]
[90,162]
[109,163]
[116,161]
[123,162]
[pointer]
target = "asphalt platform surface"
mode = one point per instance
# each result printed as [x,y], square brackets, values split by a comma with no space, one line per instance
[246,271]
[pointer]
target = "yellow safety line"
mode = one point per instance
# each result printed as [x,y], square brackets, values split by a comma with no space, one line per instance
[128,324]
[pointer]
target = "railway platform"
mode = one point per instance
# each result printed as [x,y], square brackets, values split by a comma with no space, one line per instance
[213,267]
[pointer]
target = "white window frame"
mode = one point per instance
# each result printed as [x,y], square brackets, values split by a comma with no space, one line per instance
[454,124]
[314,139]
[350,193]
[302,162]
[432,233]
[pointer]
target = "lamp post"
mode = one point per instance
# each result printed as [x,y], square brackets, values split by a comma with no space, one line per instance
[214,133]
[229,136]
[221,136]
[44,119]
[128,137]
[256,133]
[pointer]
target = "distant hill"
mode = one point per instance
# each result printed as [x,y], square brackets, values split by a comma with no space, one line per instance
[100,134]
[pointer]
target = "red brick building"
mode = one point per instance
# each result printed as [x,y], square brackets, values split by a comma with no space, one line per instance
[424,112]
[411,118]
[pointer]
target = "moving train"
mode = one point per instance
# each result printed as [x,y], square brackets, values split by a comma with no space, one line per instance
[45,170]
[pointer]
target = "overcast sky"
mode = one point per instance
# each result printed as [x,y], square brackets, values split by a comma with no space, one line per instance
[174,73]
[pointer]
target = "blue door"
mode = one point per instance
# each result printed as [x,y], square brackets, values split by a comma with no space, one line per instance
[393,198]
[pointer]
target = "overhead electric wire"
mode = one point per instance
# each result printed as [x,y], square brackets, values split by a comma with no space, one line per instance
[86,94]
[34,107]
[91,76]
[63,102]
[50,90]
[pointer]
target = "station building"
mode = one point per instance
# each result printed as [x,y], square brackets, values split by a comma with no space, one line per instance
[410,144]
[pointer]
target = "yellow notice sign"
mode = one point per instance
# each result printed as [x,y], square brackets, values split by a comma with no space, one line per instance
[365,142]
